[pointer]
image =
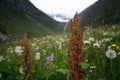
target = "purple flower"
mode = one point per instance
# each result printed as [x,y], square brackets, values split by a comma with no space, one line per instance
[49,58]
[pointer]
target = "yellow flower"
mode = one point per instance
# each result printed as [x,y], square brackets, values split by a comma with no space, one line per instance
[118,53]
[113,45]
[117,47]
[57,42]
[86,60]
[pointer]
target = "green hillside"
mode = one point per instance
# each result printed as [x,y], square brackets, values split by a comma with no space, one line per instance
[103,12]
[19,16]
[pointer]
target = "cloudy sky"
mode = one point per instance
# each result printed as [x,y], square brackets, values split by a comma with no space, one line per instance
[65,7]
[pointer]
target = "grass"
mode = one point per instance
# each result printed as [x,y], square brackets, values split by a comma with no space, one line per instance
[97,65]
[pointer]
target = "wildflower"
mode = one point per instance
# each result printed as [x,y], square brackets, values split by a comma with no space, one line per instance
[33,44]
[75,43]
[113,26]
[18,49]
[86,60]
[96,45]
[60,46]
[21,70]
[43,38]
[86,78]
[109,47]
[105,40]
[117,47]
[37,56]
[91,39]
[37,53]
[1,58]
[90,71]
[49,58]
[87,42]
[8,60]
[58,42]
[113,45]
[92,67]
[44,51]
[111,54]
[10,49]
[61,39]
[105,33]
[27,55]
[118,53]
[100,42]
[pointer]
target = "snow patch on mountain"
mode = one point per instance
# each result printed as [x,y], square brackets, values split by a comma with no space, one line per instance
[60,18]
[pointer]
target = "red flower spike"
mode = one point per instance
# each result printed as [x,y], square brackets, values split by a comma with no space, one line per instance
[25,43]
[75,55]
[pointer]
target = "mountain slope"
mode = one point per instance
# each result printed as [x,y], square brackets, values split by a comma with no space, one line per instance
[101,13]
[19,16]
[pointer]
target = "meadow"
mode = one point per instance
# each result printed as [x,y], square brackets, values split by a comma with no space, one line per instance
[50,62]
[101,47]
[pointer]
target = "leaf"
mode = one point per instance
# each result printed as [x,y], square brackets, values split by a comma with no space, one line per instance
[64,71]
[84,65]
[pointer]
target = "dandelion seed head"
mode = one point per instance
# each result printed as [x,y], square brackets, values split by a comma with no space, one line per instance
[111,54]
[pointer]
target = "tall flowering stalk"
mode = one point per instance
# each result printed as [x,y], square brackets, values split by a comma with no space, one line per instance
[25,42]
[75,56]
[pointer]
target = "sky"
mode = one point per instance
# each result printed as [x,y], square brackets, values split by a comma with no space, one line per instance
[64,7]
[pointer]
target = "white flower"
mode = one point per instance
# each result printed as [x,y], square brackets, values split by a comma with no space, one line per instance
[37,53]
[33,44]
[1,58]
[18,49]
[96,45]
[86,42]
[90,71]
[61,39]
[100,42]
[37,56]
[86,78]
[91,39]
[93,67]
[105,33]
[10,49]
[44,51]
[21,70]
[106,40]
[58,42]
[111,54]
[60,46]
[8,60]
[109,47]
[113,26]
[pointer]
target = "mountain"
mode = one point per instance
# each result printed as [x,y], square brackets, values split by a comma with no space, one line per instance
[19,16]
[60,18]
[103,12]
